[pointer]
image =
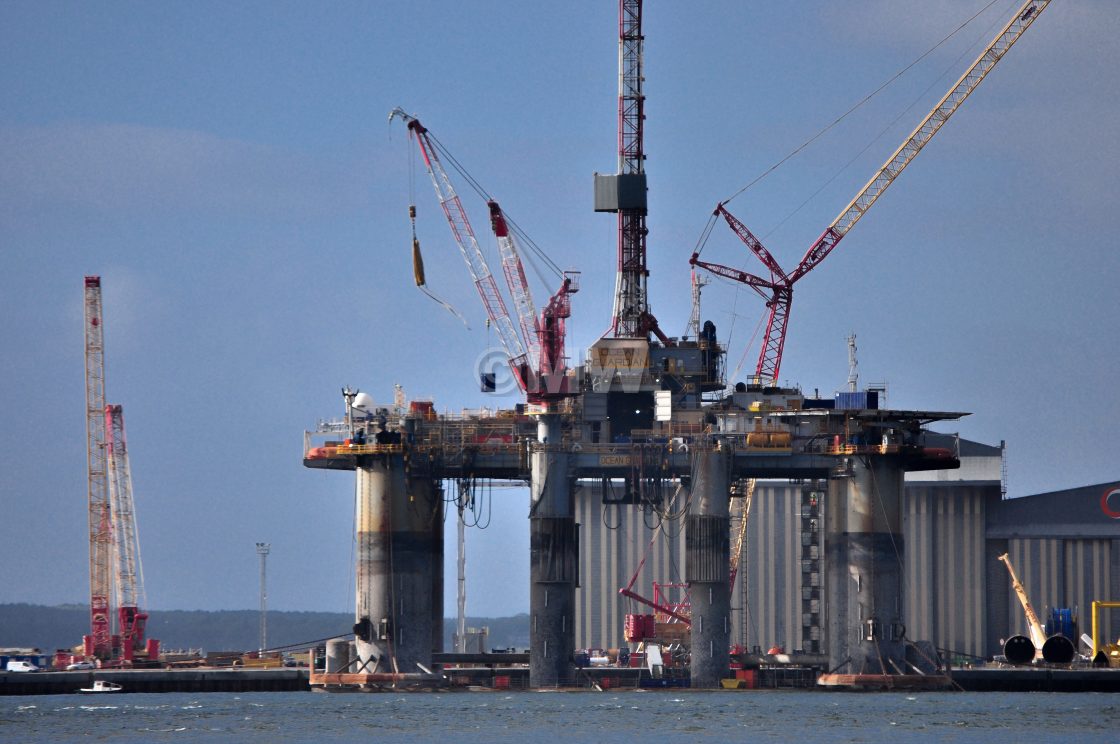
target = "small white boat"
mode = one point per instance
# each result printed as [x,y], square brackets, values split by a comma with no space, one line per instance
[101,685]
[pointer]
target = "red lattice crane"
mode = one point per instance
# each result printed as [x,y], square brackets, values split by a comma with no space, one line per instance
[99,641]
[778,289]
[546,377]
[114,547]
[536,357]
[517,283]
[465,239]
[130,598]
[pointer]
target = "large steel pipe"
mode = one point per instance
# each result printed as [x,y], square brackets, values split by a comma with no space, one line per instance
[1018,649]
[1058,650]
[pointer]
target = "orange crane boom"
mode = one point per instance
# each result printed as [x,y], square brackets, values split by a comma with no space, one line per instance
[1034,627]
[741,538]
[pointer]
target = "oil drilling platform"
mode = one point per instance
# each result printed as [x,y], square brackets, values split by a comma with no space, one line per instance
[644,415]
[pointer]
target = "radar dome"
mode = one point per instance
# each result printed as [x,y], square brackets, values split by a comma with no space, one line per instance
[363,404]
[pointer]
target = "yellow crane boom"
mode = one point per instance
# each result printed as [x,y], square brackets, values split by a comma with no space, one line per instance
[1038,636]
[741,540]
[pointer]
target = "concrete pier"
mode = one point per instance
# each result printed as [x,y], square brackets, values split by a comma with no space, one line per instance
[864,551]
[707,568]
[554,549]
[398,516]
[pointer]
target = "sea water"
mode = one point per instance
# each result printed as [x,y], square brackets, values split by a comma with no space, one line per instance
[563,717]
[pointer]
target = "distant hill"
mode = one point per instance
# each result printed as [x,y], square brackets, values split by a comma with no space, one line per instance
[49,628]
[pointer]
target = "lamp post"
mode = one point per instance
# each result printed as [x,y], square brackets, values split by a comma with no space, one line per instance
[262,551]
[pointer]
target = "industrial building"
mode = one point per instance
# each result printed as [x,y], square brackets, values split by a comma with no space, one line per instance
[1065,546]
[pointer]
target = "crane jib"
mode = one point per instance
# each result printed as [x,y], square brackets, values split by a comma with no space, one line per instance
[769,361]
[524,350]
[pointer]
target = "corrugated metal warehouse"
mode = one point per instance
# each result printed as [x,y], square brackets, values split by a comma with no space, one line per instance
[1065,547]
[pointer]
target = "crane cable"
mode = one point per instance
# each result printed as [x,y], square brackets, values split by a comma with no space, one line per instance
[484,194]
[747,348]
[706,232]
[952,66]
[417,257]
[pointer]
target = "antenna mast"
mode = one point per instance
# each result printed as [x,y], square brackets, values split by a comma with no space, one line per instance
[853,365]
[262,551]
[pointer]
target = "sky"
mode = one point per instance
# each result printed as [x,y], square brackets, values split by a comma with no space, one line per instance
[229,171]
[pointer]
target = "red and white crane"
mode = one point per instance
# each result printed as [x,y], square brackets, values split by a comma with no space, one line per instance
[99,641]
[778,289]
[544,335]
[536,357]
[464,236]
[114,547]
[130,597]
[517,283]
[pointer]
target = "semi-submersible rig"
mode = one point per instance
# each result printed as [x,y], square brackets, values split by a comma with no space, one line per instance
[644,415]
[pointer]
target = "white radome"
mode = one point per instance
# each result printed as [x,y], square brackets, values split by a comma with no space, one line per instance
[363,405]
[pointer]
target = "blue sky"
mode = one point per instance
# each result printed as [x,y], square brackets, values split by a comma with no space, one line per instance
[229,172]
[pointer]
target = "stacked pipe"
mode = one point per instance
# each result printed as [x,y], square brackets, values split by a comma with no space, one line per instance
[1057,649]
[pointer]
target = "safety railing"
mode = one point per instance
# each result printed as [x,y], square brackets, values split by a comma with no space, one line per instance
[368,449]
[862,449]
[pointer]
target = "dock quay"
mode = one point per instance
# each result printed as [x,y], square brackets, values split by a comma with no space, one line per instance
[1036,679]
[481,678]
[157,680]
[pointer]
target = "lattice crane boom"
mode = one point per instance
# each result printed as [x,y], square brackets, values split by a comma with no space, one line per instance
[518,284]
[551,379]
[741,536]
[781,288]
[99,641]
[465,239]
[536,357]
[1038,636]
[544,334]
[921,135]
[130,597]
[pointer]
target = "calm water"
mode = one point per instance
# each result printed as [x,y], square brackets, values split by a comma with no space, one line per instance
[549,718]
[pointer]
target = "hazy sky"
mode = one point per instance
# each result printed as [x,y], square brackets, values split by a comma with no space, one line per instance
[228,170]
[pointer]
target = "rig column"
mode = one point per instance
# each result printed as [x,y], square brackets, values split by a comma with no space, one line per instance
[863,569]
[435,528]
[707,568]
[554,554]
[395,581]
